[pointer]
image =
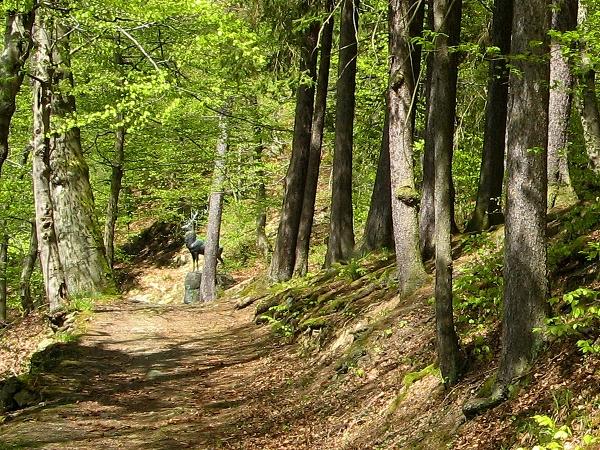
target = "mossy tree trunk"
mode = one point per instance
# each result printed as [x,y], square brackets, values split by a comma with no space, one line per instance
[560,190]
[488,209]
[27,271]
[17,44]
[525,256]
[341,230]
[316,143]
[404,196]
[4,240]
[447,21]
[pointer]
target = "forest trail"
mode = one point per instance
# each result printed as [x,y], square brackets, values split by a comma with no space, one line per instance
[165,377]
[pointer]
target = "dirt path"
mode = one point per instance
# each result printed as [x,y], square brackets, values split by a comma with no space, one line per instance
[166,377]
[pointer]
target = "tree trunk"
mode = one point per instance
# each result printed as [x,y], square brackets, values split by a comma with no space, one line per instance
[341,231]
[27,271]
[404,198]
[525,257]
[488,209]
[262,241]
[316,142]
[17,43]
[379,229]
[284,255]
[208,285]
[80,242]
[590,114]
[560,190]
[447,19]
[54,277]
[3,266]
[112,209]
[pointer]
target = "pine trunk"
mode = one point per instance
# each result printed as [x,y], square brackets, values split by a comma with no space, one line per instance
[341,230]
[316,142]
[27,271]
[560,190]
[4,239]
[284,255]
[54,277]
[17,44]
[488,209]
[379,229]
[525,257]
[80,242]
[404,197]
[208,285]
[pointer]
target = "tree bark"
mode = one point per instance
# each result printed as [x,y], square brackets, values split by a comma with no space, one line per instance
[54,277]
[560,190]
[447,21]
[341,231]
[262,241]
[27,271]
[404,197]
[590,113]
[488,209]
[4,239]
[17,44]
[80,242]
[525,257]
[316,142]
[379,229]
[284,255]
[208,285]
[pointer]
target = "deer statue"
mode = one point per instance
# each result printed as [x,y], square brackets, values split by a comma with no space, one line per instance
[193,244]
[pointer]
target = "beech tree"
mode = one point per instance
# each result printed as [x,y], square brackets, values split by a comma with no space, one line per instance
[341,230]
[405,199]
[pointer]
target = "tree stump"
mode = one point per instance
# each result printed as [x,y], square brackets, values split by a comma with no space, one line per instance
[192,287]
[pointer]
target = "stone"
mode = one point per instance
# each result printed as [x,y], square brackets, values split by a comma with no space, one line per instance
[192,288]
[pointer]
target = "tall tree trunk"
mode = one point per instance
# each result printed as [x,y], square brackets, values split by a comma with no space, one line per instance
[80,242]
[341,231]
[379,229]
[316,142]
[488,210]
[284,255]
[17,43]
[208,285]
[560,190]
[262,241]
[447,20]
[590,113]
[525,257]
[405,199]
[54,277]
[27,271]
[4,239]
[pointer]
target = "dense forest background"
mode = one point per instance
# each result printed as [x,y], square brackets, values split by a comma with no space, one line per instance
[306,135]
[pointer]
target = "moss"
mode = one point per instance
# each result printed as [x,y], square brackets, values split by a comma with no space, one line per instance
[408,195]
[314,323]
[412,377]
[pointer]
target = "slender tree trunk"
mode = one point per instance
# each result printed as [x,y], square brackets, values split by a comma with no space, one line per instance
[341,230]
[405,199]
[316,142]
[488,209]
[590,113]
[560,190]
[284,255]
[379,229]
[17,43]
[4,239]
[54,277]
[27,271]
[447,20]
[208,285]
[80,242]
[525,257]
[262,241]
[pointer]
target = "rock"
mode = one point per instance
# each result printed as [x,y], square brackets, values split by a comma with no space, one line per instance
[153,374]
[8,389]
[192,288]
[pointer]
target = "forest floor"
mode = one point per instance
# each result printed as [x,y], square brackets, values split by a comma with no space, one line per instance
[147,372]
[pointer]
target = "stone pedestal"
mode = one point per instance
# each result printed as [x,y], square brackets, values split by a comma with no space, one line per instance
[192,287]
